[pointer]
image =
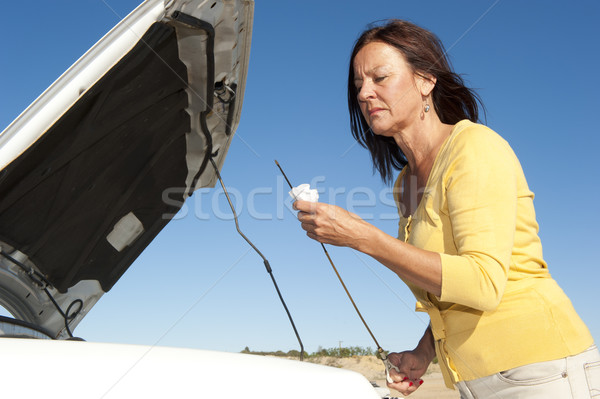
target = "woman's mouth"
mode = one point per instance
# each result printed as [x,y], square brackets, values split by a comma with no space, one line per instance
[374,111]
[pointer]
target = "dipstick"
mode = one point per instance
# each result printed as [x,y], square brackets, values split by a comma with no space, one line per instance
[382,353]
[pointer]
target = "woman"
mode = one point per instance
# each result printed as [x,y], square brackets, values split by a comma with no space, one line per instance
[468,244]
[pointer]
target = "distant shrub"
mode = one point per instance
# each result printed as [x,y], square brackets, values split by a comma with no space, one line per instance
[324,352]
[293,353]
[321,352]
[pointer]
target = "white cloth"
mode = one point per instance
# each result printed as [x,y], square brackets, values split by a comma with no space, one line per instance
[303,192]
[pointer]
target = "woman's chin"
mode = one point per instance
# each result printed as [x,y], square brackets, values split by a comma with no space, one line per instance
[381,132]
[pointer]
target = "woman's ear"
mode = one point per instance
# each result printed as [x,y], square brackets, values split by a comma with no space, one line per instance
[426,84]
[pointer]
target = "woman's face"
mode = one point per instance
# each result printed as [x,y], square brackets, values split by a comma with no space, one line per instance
[387,92]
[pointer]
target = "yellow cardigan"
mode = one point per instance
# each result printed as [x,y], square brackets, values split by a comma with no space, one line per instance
[499,306]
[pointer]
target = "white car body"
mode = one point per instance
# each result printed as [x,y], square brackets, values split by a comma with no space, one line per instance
[92,370]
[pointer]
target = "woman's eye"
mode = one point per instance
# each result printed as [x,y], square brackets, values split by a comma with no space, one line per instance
[379,79]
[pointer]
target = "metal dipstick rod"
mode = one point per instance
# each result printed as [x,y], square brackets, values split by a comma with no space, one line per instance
[381,352]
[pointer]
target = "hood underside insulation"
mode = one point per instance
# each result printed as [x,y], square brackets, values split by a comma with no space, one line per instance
[102,169]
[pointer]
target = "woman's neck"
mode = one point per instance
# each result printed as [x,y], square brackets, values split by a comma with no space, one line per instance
[420,143]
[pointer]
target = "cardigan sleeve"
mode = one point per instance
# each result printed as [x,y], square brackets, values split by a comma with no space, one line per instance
[481,192]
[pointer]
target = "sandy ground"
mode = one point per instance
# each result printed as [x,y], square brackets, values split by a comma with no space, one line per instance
[372,368]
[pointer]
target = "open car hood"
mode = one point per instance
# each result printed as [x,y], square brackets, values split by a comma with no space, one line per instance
[95,167]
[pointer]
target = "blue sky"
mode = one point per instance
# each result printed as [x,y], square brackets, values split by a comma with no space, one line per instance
[199,285]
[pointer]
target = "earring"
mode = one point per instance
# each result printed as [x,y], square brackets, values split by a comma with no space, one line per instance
[426,108]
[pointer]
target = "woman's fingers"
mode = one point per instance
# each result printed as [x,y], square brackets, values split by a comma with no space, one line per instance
[329,224]
[405,386]
[305,206]
[402,382]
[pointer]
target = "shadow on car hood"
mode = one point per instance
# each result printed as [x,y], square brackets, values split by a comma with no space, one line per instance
[82,195]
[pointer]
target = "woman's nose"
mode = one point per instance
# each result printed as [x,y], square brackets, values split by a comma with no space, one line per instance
[366,92]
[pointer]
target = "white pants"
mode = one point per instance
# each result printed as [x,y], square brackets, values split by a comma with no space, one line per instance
[574,377]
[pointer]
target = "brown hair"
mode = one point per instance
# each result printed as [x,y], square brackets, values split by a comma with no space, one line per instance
[425,53]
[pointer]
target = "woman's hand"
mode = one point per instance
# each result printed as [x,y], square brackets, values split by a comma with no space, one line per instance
[330,224]
[412,366]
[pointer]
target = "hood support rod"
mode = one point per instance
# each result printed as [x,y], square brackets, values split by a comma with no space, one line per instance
[265,261]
